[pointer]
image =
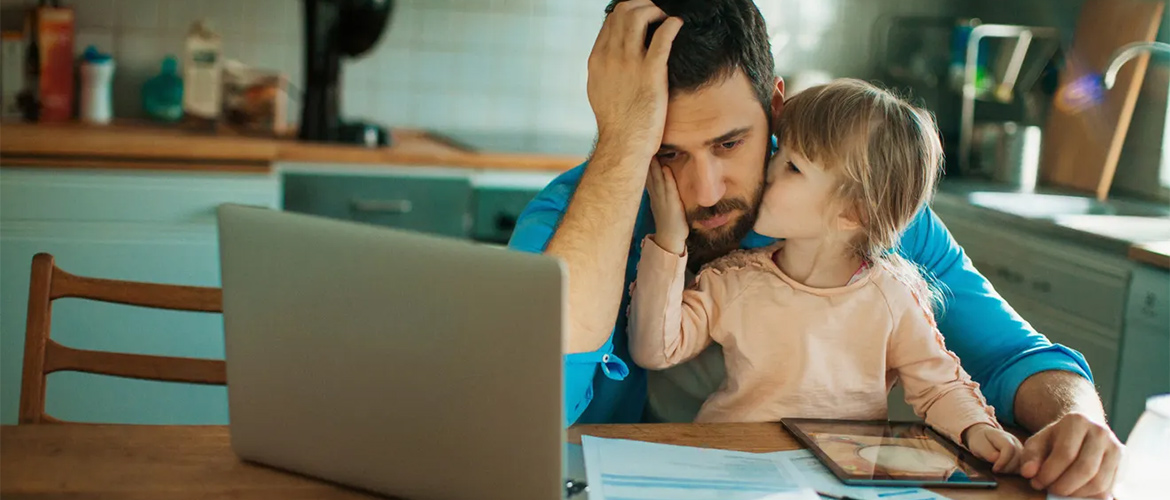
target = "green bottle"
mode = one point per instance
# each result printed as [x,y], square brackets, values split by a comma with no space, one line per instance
[162,95]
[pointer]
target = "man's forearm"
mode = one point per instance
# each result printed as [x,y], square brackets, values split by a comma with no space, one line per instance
[1047,396]
[593,240]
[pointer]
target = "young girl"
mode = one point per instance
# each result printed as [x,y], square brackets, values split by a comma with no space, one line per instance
[822,323]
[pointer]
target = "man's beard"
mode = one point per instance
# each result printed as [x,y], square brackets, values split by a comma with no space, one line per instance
[706,247]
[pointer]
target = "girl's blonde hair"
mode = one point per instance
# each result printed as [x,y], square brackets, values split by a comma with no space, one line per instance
[886,152]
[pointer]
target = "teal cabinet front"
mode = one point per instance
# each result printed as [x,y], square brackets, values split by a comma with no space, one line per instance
[150,227]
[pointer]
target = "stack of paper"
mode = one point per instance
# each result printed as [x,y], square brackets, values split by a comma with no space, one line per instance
[619,469]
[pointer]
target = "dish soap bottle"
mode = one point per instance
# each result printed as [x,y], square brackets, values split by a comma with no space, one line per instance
[162,94]
[202,76]
[97,75]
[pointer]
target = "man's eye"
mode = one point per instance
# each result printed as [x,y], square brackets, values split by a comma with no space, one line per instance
[731,144]
[666,155]
[792,167]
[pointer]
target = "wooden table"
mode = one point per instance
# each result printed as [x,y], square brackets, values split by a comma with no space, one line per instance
[84,462]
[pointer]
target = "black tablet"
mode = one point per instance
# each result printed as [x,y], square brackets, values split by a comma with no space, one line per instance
[881,453]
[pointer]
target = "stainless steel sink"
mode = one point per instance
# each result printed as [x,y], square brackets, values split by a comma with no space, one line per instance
[1050,206]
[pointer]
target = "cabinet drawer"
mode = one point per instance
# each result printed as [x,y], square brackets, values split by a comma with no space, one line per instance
[108,196]
[436,205]
[1080,291]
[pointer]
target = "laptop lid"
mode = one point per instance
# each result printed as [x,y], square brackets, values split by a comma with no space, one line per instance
[405,364]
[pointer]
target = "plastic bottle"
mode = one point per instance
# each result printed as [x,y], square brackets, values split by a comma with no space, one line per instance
[202,76]
[1146,459]
[162,94]
[97,78]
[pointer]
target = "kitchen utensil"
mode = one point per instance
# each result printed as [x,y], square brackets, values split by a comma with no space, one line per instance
[1007,153]
[1087,124]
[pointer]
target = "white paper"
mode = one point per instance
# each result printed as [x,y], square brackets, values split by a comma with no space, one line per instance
[618,469]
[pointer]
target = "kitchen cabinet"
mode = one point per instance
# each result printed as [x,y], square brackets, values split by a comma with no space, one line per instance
[1145,343]
[141,226]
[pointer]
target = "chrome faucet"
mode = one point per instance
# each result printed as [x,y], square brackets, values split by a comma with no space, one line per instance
[1127,52]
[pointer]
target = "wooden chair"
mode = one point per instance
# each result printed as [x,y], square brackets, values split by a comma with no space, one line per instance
[43,356]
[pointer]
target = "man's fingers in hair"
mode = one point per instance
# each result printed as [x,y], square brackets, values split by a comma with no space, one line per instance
[636,27]
[659,50]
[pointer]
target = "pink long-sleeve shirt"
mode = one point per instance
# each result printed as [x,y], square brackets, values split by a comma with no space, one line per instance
[795,351]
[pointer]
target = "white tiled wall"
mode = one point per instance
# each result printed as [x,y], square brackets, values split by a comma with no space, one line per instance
[478,65]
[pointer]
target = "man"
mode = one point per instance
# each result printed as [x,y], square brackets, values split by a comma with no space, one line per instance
[695,91]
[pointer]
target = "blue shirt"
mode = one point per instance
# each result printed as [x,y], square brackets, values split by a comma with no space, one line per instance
[996,347]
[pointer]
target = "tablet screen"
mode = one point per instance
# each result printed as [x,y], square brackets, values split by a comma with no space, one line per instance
[888,453]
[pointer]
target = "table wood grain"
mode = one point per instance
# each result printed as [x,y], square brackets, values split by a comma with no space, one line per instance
[89,462]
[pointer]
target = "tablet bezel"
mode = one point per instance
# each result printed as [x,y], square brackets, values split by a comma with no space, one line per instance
[794,426]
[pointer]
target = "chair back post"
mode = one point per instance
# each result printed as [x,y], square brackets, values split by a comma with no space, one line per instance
[36,338]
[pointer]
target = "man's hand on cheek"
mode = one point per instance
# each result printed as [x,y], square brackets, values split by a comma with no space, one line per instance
[1074,456]
[627,81]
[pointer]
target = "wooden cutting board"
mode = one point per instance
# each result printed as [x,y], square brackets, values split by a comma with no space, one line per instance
[1087,124]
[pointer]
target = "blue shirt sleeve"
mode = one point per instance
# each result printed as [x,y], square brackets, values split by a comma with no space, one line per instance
[534,228]
[995,345]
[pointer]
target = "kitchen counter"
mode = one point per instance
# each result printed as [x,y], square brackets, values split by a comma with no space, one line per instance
[1156,254]
[1139,230]
[149,146]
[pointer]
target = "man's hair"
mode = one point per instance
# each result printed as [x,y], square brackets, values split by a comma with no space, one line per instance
[717,38]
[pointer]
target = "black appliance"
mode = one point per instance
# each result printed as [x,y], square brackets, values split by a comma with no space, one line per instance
[336,28]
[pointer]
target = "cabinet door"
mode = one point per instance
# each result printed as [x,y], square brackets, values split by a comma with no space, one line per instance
[139,252]
[1145,349]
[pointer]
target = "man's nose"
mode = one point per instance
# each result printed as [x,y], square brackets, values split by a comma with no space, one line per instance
[707,182]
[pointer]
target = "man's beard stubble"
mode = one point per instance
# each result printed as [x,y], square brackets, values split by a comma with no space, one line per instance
[703,248]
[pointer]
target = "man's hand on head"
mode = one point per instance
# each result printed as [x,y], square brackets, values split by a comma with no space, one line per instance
[627,84]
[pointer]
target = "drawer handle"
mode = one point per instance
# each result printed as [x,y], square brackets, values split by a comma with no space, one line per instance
[381,206]
[1010,276]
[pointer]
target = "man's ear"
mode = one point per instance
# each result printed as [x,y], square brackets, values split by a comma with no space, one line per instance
[778,98]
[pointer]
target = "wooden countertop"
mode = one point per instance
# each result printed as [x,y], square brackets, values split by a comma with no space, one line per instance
[148,461]
[148,146]
[1156,254]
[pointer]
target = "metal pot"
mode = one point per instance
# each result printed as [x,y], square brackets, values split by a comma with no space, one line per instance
[1007,153]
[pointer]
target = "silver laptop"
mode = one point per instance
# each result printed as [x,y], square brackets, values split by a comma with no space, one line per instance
[409,365]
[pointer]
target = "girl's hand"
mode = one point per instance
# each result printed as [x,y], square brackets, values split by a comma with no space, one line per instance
[996,446]
[670,218]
